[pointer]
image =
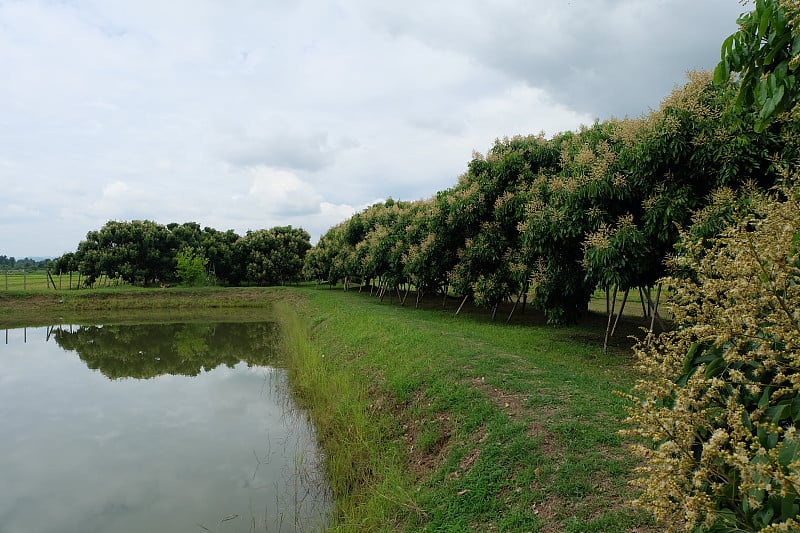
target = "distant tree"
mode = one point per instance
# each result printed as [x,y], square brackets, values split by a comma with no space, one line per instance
[562,205]
[7,262]
[139,251]
[28,263]
[291,245]
[186,235]
[274,256]
[490,266]
[65,263]
[426,250]
[220,249]
[90,260]
[380,254]
[145,252]
[319,262]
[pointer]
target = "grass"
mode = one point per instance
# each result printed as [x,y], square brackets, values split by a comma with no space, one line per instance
[470,424]
[129,304]
[428,421]
[15,280]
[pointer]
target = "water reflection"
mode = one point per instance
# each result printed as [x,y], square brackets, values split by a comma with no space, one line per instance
[148,350]
[205,437]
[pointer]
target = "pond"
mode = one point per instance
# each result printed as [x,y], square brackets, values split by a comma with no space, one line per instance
[155,427]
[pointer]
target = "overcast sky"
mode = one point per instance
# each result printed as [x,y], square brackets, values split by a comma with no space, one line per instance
[248,114]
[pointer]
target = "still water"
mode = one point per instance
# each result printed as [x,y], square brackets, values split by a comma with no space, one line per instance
[162,428]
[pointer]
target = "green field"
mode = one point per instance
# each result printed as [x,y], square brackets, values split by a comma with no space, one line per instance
[17,280]
[429,421]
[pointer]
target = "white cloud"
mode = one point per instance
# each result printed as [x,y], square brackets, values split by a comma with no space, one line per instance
[328,216]
[280,192]
[284,148]
[609,57]
[120,197]
[303,111]
[522,110]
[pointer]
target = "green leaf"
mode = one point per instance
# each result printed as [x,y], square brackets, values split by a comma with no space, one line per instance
[689,359]
[762,438]
[760,8]
[776,46]
[795,409]
[760,92]
[789,508]
[746,420]
[766,515]
[763,23]
[722,73]
[776,413]
[777,96]
[727,47]
[772,440]
[771,105]
[788,452]
[715,368]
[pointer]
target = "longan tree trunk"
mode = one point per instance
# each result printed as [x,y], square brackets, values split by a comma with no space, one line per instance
[655,312]
[621,310]
[641,297]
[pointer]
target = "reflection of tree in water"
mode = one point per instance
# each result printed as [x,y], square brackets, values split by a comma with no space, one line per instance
[149,350]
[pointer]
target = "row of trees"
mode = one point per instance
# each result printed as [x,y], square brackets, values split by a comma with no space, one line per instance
[145,252]
[26,263]
[557,218]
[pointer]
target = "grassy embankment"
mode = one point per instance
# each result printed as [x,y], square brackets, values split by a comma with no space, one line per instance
[429,421]
[132,304]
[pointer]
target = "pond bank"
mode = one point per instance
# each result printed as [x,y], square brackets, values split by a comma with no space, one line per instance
[130,304]
[429,420]
[461,424]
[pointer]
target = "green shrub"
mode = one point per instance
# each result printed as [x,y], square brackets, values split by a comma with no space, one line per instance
[191,267]
[719,408]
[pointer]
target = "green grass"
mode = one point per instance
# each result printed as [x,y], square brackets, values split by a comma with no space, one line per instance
[469,424]
[428,421]
[17,280]
[128,304]
[20,280]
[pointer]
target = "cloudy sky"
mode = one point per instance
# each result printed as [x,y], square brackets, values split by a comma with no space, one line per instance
[247,114]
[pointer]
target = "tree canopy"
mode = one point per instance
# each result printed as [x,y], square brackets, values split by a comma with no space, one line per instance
[557,218]
[144,252]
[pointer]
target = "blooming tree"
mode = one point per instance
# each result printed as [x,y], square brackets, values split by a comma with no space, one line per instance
[719,408]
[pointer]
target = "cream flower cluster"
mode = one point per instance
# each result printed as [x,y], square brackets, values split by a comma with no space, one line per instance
[718,412]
